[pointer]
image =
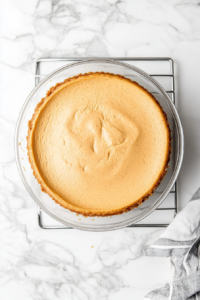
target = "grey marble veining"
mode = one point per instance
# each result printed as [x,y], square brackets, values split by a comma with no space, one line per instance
[69,264]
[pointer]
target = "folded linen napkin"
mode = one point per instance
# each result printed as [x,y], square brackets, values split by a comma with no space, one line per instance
[181,241]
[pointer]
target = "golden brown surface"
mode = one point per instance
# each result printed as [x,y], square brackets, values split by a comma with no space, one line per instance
[99,144]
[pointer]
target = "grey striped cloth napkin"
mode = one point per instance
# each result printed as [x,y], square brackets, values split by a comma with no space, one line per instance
[181,241]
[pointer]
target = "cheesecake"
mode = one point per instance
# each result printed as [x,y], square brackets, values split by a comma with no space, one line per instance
[99,144]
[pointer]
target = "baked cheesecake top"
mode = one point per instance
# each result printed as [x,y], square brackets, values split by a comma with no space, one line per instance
[99,144]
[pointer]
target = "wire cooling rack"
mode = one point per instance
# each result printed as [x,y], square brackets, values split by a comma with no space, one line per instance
[160,68]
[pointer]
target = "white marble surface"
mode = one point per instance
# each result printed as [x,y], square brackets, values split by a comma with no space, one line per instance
[68,264]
